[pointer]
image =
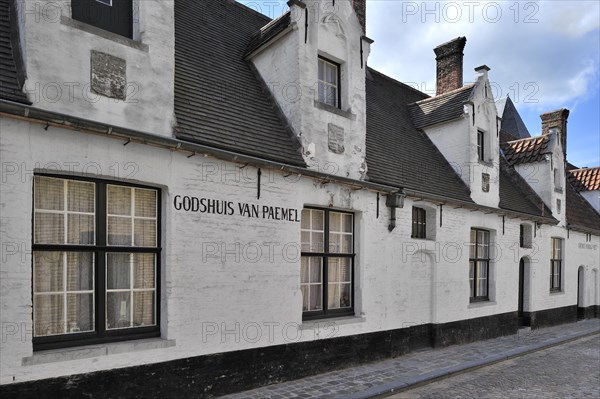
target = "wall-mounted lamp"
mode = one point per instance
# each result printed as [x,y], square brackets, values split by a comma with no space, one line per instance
[393,201]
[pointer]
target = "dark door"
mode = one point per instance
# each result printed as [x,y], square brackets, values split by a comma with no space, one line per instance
[112,15]
[580,308]
[521,291]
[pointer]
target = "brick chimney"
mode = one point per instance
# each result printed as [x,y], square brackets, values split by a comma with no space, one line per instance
[360,8]
[449,57]
[556,120]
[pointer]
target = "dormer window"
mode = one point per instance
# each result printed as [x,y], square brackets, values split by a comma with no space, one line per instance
[329,83]
[480,146]
[557,180]
[115,16]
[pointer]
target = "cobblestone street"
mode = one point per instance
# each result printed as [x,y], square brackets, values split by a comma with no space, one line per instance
[571,370]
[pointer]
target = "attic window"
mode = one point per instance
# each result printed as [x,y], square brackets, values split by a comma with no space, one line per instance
[558,206]
[557,180]
[480,146]
[329,83]
[114,16]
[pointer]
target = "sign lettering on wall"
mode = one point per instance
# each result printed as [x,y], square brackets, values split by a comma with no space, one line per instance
[588,246]
[230,208]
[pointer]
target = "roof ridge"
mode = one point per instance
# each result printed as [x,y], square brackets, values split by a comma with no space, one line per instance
[455,91]
[274,21]
[249,10]
[584,168]
[543,136]
[396,81]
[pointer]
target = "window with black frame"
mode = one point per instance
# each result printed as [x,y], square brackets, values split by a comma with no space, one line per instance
[556,264]
[327,264]
[96,256]
[114,16]
[479,264]
[419,223]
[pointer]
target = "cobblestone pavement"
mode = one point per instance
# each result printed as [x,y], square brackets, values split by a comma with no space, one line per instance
[571,370]
[362,380]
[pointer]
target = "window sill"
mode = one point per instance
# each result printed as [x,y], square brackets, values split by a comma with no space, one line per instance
[321,324]
[479,303]
[103,33]
[489,164]
[86,352]
[335,110]
[557,292]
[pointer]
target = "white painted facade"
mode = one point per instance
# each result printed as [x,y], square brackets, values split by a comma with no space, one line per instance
[232,282]
[57,53]
[289,66]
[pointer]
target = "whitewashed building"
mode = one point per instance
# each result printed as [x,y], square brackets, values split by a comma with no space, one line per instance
[198,200]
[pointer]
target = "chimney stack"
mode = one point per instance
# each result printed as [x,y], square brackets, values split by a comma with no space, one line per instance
[449,57]
[556,120]
[360,8]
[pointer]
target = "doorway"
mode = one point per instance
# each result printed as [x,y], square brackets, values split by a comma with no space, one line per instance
[521,307]
[580,293]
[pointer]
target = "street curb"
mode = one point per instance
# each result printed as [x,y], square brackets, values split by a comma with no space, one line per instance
[413,382]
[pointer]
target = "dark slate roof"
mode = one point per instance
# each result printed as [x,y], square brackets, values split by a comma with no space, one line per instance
[579,212]
[586,179]
[512,122]
[219,100]
[10,87]
[506,137]
[517,195]
[398,154]
[268,32]
[526,150]
[442,108]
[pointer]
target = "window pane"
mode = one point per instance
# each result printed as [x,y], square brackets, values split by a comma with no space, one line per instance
[80,313]
[305,290]
[305,241]
[472,253]
[49,193]
[119,231]
[332,74]
[118,274]
[305,270]
[317,244]
[119,200]
[81,196]
[118,310]
[49,315]
[334,296]
[482,287]
[143,308]
[321,70]
[305,219]
[331,95]
[318,220]
[311,276]
[80,271]
[316,273]
[48,271]
[145,233]
[316,297]
[144,271]
[348,223]
[49,228]
[145,203]
[81,229]
[335,221]
[322,92]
